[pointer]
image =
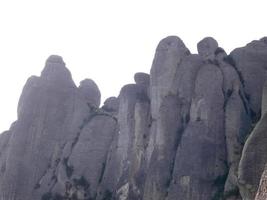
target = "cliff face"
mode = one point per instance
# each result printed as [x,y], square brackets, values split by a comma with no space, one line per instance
[194,129]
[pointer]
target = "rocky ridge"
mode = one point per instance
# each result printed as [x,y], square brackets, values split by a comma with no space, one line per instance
[192,129]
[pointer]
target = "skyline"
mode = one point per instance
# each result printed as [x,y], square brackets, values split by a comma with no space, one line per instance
[110,41]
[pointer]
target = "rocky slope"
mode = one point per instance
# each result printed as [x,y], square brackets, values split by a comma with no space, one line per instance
[194,129]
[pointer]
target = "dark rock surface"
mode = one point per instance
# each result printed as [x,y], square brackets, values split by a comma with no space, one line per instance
[192,129]
[254,155]
[90,92]
[207,48]
[111,104]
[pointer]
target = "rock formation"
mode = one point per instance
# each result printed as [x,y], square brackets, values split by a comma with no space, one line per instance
[192,129]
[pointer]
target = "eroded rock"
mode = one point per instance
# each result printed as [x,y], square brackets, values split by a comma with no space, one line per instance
[179,133]
[207,48]
[89,90]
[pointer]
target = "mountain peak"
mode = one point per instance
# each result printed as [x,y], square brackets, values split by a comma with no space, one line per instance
[194,128]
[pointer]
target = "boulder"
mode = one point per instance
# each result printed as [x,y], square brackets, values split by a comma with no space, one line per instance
[89,90]
[142,79]
[207,48]
[111,104]
[251,64]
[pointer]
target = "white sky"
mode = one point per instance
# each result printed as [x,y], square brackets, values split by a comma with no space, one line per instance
[110,40]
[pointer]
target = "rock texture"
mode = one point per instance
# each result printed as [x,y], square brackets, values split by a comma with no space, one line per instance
[192,129]
[254,159]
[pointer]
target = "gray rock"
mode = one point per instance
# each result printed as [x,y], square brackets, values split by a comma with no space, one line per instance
[111,104]
[254,157]
[237,122]
[199,168]
[165,109]
[4,139]
[237,127]
[264,99]
[262,192]
[139,163]
[167,130]
[89,155]
[119,176]
[168,57]
[49,114]
[176,134]
[250,62]
[253,160]
[207,48]
[55,71]
[90,92]
[142,78]
[4,145]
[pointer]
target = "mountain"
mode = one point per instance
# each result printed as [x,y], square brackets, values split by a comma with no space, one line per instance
[195,128]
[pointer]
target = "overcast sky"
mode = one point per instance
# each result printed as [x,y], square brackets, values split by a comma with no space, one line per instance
[110,40]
